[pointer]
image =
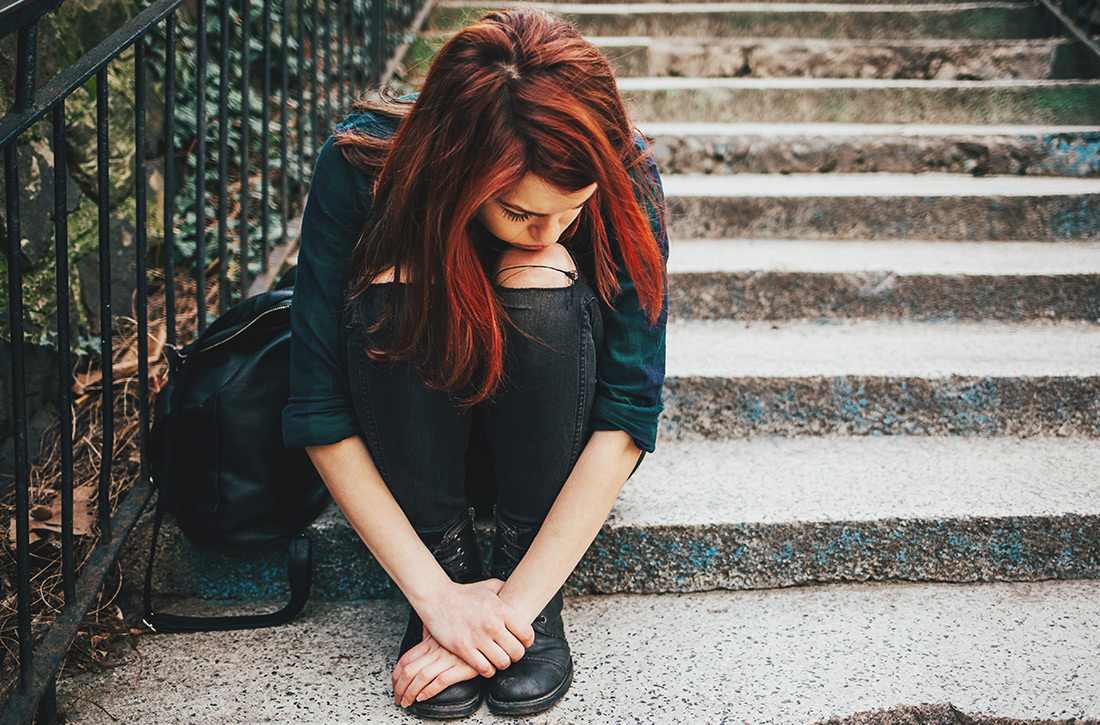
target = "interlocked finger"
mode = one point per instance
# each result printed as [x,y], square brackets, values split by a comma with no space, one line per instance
[445,679]
[521,630]
[406,695]
[498,656]
[476,659]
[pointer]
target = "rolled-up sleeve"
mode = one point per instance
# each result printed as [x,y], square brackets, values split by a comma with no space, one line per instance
[631,366]
[320,410]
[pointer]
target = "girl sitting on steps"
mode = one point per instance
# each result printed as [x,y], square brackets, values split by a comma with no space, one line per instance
[489,254]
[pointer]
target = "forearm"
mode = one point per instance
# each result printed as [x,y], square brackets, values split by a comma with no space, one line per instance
[358,489]
[573,522]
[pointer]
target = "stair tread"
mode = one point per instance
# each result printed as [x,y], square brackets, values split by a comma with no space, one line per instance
[777,656]
[856,129]
[898,257]
[766,480]
[808,480]
[738,349]
[626,85]
[736,7]
[613,41]
[875,184]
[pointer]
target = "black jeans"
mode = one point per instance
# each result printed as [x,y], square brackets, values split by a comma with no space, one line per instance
[536,424]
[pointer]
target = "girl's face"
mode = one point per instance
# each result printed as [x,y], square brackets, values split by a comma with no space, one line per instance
[533,214]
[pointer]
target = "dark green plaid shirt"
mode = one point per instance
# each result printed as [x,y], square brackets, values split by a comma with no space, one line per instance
[630,365]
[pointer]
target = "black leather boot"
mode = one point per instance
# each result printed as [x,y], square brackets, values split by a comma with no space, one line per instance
[545,673]
[456,551]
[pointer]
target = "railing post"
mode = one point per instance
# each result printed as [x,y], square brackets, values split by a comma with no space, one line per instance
[64,357]
[26,66]
[106,319]
[223,163]
[19,412]
[170,179]
[377,40]
[200,165]
[265,138]
[284,138]
[315,77]
[140,252]
[246,142]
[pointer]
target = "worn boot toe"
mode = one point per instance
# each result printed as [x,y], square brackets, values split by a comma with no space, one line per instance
[543,676]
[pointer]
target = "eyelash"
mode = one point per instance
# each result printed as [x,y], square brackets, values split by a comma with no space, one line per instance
[512,216]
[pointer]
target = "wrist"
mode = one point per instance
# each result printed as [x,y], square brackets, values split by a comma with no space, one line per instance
[529,594]
[428,589]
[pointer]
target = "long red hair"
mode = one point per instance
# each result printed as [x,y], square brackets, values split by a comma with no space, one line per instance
[519,91]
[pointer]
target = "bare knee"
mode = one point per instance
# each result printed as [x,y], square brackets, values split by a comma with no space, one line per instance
[550,266]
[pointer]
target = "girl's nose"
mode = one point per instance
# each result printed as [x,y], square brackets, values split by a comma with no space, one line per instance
[547,232]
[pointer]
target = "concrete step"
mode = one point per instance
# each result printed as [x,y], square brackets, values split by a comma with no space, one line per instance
[762,279]
[796,58]
[776,2]
[883,206]
[736,379]
[759,513]
[729,148]
[971,20]
[788,656]
[815,100]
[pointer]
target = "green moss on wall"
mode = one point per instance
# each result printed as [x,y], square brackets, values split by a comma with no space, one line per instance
[40,283]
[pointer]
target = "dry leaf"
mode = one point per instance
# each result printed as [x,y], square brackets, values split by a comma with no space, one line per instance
[34,535]
[47,518]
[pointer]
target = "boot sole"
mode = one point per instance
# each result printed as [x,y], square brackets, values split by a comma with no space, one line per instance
[530,707]
[445,712]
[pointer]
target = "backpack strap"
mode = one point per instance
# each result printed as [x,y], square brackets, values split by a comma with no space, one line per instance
[299,556]
[299,565]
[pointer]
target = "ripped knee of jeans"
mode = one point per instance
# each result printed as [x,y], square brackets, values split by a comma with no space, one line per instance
[551,266]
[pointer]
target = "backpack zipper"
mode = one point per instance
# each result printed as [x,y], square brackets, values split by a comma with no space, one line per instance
[238,332]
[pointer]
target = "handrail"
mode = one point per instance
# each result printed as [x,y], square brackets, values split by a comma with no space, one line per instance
[80,72]
[15,14]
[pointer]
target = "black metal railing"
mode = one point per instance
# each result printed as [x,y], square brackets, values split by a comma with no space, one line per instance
[1080,20]
[242,92]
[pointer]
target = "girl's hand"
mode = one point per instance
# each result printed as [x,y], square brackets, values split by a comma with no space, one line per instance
[476,625]
[426,670]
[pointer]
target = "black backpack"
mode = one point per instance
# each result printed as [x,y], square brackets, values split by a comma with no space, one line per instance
[218,459]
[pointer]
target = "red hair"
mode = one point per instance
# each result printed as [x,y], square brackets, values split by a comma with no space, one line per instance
[519,91]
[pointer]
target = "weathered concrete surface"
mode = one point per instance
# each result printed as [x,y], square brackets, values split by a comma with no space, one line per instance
[813,58]
[697,557]
[753,556]
[761,279]
[788,656]
[851,148]
[761,513]
[946,714]
[770,295]
[849,100]
[869,218]
[882,206]
[902,258]
[935,281]
[859,479]
[973,21]
[888,185]
[715,407]
[783,2]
